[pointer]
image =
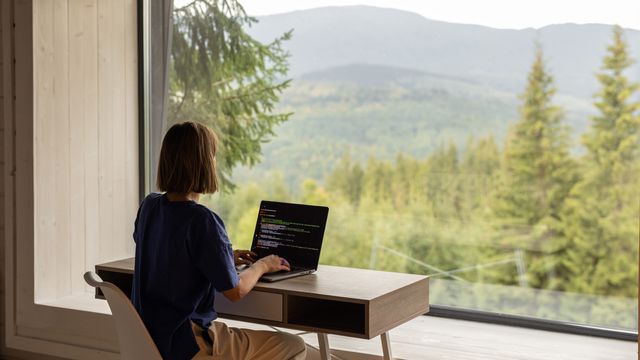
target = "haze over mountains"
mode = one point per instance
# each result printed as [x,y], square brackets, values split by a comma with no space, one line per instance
[335,36]
[378,82]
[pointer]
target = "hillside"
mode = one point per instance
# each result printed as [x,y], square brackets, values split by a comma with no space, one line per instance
[336,36]
[376,111]
[378,82]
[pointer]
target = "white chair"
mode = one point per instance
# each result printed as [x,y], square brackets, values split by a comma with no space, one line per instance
[135,341]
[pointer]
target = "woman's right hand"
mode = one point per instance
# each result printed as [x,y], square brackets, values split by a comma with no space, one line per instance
[248,279]
[275,263]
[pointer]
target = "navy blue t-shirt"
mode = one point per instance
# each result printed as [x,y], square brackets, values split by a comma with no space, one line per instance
[183,255]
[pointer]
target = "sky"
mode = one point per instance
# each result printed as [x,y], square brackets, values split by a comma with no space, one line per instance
[503,14]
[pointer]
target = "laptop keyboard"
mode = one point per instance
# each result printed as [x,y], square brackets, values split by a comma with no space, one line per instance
[293,269]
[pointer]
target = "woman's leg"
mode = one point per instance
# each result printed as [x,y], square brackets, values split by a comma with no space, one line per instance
[204,345]
[243,344]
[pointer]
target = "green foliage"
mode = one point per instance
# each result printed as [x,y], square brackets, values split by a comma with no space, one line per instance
[411,117]
[222,77]
[537,167]
[601,218]
[347,179]
[537,175]
[480,169]
[517,229]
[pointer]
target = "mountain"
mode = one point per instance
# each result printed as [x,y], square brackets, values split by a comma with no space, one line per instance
[368,74]
[380,111]
[378,82]
[335,36]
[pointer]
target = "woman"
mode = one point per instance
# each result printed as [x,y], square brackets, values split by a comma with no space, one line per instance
[183,256]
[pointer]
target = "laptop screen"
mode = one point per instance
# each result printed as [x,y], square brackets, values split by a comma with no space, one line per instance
[292,231]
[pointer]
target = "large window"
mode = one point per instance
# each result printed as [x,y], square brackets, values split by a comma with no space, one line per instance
[501,158]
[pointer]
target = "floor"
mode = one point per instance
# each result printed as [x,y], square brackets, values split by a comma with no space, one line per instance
[431,338]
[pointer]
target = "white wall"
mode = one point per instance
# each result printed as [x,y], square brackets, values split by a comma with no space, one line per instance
[69,158]
[86,139]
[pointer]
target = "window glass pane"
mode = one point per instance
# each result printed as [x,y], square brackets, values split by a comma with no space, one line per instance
[501,158]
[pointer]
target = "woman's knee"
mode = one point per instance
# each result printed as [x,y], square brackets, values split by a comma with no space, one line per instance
[296,345]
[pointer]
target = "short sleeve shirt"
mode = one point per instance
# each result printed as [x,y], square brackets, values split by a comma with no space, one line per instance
[183,256]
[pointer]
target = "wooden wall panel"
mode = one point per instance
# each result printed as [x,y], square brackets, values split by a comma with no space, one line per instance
[111,92]
[44,107]
[132,169]
[60,133]
[106,112]
[83,120]
[86,139]
[90,121]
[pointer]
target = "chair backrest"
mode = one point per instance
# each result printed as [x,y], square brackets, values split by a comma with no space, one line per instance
[135,341]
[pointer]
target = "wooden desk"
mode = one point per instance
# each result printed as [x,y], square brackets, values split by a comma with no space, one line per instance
[334,300]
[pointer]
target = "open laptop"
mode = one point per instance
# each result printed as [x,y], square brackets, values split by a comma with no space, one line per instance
[293,232]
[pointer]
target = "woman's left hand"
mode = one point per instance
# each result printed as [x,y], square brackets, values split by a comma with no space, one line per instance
[244,257]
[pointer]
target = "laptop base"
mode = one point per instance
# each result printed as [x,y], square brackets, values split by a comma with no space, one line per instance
[273,277]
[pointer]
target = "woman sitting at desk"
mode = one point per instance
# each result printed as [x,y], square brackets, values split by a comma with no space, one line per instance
[183,255]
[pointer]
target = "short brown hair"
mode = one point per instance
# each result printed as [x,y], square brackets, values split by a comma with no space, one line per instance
[188,160]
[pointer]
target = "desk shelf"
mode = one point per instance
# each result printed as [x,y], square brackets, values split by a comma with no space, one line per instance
[122,280]
[326,315]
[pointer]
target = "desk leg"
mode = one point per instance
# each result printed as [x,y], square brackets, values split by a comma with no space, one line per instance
[386,346]
[323,344]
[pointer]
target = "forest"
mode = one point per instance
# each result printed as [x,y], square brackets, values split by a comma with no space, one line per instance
[523,225]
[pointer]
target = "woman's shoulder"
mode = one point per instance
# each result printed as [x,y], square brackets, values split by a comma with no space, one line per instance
[198,211]
[206,221]
[151,197]
[154,196]
[208,214]
[149,200]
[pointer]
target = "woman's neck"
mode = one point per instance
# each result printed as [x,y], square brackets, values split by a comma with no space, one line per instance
[173,196]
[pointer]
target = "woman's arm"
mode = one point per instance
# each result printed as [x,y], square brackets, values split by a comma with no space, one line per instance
[249,277]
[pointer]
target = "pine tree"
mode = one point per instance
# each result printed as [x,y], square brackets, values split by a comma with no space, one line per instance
[403,185]
[478,169]
[377,180]
[537,175]
[442,183]
[224,78]
[601,218]
[347,179]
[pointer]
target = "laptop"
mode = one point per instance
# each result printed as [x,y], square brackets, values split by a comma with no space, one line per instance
[293,232]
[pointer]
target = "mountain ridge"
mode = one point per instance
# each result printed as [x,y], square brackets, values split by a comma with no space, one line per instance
[361,84]
[384,74]
[332,36]
[432,19]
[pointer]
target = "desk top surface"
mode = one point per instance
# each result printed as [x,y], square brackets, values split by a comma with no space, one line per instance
[328,282]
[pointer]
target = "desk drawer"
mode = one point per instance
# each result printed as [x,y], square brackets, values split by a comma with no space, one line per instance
[257,305]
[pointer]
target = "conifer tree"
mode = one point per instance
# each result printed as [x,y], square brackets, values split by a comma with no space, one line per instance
[377,179]
[537,175]
[601,218]
[404,182]
[442,182]
[478,169]
[223,77]
[347,179]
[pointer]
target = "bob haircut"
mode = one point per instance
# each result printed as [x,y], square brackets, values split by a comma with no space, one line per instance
[188,160]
